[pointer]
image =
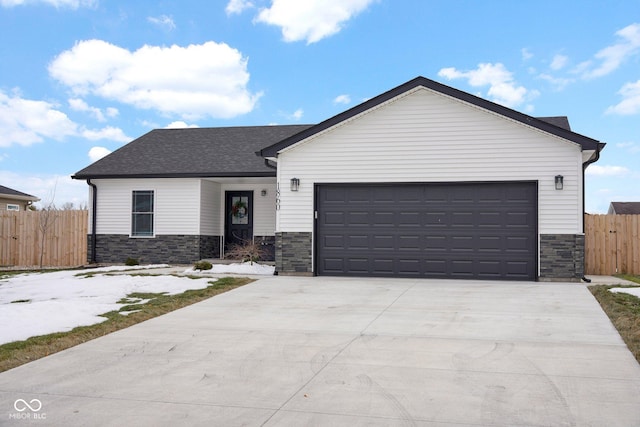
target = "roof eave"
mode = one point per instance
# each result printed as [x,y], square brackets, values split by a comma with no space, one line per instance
[266,174]
[25,198]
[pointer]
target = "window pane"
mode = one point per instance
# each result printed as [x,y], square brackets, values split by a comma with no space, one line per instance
[142,213]
[142,225]
[143,201]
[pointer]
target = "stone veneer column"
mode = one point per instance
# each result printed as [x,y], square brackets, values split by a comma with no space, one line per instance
[561,257]
[293,253]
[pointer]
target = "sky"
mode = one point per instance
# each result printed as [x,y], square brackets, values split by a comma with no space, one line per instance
[81,78]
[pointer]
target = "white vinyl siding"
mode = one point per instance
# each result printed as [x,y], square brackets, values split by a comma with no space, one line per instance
[425,136]
[210,215]
[176,205]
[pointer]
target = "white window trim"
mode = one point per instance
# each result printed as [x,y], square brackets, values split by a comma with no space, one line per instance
[13,207]
[131,235]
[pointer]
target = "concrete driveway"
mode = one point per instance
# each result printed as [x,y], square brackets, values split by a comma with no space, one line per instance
[332,351]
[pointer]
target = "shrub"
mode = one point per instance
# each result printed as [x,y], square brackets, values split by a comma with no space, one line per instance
[202,265]
[247,251]
[132,261]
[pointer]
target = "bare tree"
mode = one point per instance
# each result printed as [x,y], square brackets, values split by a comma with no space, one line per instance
[48,216]
[67,206]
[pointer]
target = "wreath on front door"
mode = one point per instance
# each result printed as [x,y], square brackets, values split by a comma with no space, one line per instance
[239,209]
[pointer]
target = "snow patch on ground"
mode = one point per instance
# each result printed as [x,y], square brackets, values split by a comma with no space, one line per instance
[60,301]
[632,291]
[243,268]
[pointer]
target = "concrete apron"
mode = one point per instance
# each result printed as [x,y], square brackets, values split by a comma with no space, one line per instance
[336,351]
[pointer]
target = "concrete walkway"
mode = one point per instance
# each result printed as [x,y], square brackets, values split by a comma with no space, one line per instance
[322,351]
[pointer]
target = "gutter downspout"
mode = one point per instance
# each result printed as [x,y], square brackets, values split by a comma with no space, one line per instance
[584,167]
[94,209]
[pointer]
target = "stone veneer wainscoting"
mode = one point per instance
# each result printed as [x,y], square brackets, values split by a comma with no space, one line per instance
[171,249]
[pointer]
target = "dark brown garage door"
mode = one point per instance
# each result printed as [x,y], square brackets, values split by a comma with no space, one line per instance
[443,230]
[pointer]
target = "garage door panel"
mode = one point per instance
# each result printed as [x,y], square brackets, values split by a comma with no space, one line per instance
[410,243]
[383,219]
[358,242]
[409,219]
[334,218]
[334,242]
[358,219]
[461,230]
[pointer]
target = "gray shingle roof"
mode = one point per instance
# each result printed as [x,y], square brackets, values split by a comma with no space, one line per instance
[15,193]
[625,208]
[192,152]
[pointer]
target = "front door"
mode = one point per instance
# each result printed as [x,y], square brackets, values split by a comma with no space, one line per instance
[238,227]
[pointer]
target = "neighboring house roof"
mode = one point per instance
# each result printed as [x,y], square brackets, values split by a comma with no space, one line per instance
[10,193]
[192,152]
[624,208]
[554,126]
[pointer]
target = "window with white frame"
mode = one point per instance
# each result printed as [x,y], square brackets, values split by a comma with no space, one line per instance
[142,213]
[12,207]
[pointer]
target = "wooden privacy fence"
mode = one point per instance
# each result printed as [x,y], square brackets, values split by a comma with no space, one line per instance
[64,244]
[612,244]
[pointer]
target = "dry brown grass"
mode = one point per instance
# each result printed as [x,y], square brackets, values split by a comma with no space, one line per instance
[20,352]
[624,311]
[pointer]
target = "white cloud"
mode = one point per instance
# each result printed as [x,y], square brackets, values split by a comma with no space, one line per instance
[502,88]
[342,99]
[526,55]
[558,62]
[310,20]
[297,115]
[110,133]
[558,82]
[96,153]
[193,81]
[630,103]
[78,104]
[632,147]
[611,57]
[163,21]
[607,170]
[25,121]
[179,125]
[237,6]
[73,4]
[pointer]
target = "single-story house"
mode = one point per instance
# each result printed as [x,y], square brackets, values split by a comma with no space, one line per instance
[14,200]
[624,208]
[423,180]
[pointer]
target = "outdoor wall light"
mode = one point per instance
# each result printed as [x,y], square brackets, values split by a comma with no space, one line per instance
[263,193]
[559,182]
[295,184]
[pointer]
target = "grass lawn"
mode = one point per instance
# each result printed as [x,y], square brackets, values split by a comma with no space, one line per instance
[623,310]
[20,352]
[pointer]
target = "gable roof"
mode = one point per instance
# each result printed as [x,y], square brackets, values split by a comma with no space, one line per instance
[192,152]
[554,126]
[15,194]
[625,208]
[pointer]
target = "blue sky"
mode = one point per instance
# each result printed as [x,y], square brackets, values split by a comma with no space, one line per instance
[81,78]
